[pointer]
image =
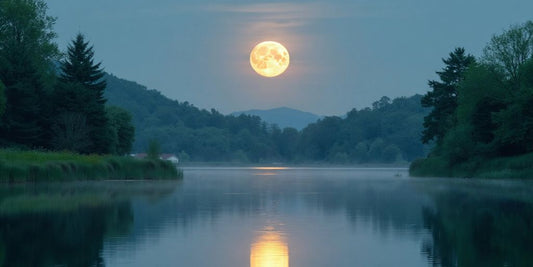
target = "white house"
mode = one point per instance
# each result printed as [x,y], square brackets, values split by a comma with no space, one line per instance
[170,157]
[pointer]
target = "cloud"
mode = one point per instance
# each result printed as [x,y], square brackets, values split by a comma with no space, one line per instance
[282,11]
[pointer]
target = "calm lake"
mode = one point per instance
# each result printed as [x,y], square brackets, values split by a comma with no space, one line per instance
[261,217]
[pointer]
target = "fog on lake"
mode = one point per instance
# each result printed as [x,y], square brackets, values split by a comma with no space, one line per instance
[261,217]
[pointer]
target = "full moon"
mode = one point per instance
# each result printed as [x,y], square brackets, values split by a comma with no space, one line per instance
[269,59]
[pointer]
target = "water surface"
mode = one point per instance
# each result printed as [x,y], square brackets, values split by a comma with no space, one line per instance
[270,217]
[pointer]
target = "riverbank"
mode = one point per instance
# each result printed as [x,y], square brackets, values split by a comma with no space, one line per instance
[292,164]
[508,167]
[35,166]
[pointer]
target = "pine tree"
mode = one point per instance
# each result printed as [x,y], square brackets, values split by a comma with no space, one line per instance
[80,71]
[443,96]
[79,67]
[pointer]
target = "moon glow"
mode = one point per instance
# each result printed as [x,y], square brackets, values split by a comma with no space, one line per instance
[269,59]
[270,250]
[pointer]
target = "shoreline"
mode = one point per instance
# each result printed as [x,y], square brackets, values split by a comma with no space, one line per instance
[37,166]
[293,165]
[515,167]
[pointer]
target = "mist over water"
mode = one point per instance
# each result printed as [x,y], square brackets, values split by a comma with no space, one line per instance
[270,217]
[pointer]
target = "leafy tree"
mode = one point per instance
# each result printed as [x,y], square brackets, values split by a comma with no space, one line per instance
[382,103]
[26,39]
[443,96]
[26,55]
[375,151]
[154,149]
[288,142]
[514,134]
[122,128]
[509,50]
[391,153]
[70,132]
[360,152]
[79,70]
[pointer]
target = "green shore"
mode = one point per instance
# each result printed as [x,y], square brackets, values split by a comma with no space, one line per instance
[520,167]
[35,166]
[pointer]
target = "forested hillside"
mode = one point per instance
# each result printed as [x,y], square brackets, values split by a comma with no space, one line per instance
[389,131]
[283,117]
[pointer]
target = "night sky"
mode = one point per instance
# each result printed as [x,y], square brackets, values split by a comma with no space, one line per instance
[344,54]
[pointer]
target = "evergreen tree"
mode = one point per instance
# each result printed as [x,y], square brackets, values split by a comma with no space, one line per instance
[26,54]
[443,96]
[80,71]
[79,67]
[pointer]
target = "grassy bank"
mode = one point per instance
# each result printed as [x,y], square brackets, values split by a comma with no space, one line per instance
[508,167]
[33,166]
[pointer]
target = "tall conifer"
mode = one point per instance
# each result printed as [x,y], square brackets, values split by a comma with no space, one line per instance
[443,97]
[80,71]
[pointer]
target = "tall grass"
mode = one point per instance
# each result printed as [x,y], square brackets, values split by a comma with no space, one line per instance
[34,166]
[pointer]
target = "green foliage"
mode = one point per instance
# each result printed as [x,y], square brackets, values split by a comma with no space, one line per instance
[70,132]
[26,37]
[79,67]
[122,130]
[458,145]
[209,136]
[23,121]
[2,100]
[494,114]
[443,96]
[26,54]
[86,77]
[508,51]
[430,167]
[32,166]
[480,83]
[154,150]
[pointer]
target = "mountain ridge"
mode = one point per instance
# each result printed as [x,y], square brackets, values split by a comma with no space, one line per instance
[283,116]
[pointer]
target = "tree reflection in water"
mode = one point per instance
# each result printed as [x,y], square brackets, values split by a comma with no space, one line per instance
[64,225]
[473,229]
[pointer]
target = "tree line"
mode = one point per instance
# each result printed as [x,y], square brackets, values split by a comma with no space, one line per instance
[50,100]
[388,131]
[482,107]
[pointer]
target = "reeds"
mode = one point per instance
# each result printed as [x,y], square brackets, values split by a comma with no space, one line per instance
[35,166]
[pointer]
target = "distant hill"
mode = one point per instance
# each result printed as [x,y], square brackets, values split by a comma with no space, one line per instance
[283,117]
[387,132]
[183,129]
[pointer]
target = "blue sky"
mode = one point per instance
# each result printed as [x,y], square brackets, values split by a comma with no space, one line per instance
[344,54]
